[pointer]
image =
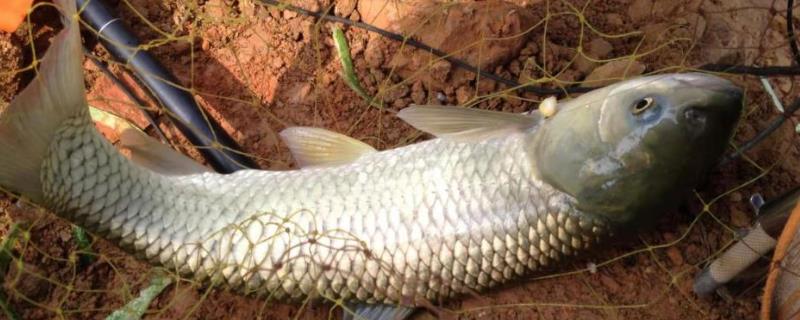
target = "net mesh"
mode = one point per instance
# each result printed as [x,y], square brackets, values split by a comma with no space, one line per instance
[258,69]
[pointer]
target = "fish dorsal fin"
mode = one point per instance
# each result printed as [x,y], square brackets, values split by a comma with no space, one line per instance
[154,155]
[315,147]
[465,124]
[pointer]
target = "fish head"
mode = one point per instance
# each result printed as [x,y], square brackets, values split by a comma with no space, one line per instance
[631,150]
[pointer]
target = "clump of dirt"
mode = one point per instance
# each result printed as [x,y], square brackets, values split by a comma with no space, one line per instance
[11,62]
[258,70]
[484,34]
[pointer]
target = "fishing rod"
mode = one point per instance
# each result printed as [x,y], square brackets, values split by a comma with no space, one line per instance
[213,143]
[753,245]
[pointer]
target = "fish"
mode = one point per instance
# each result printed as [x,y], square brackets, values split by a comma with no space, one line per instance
[492,197]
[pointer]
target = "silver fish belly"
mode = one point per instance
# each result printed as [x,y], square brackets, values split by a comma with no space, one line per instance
[420,223]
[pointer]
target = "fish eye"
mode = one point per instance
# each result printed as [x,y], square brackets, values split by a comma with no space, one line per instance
[642,105]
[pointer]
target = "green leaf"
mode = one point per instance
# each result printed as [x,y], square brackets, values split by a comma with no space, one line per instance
[136,308]
[5,249]
[84,245]
[348,72]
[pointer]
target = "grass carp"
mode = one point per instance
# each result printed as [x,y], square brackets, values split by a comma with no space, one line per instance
[494,196]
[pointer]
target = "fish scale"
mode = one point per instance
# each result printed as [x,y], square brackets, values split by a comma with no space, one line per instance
[462,217]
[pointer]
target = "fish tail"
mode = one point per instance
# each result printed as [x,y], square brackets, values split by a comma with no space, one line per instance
[30,122]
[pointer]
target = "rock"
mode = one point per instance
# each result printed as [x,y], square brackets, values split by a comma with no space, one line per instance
[457,28]
[459,77]
[596,49]
[665,7]
[182,303]
[526,74]
[216,10]
[785,85]
[640,10]
[614,19]
[12,59]
[310,5]
[289,14]
[247,8]
[568,76]
[654,34]
[599,48]
[373,54]
[439,70]
[613,71]
[299,92]
[514,67]
[513,100]
[530,49]
[377,75]
[553,55]
[274,12]
[693,252]
[418,93]
[529,3]
[612,285]
[441,97]
[26,280]
[485,86]
[277,63]
[328,78]
[357,45]
[726,40]
[400,103]
[344,8]
[697,24]
[385,14]
[463,94]
[739,218]
[675,256]
[395,92]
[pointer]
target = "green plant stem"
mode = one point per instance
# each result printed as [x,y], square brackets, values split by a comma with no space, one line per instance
[136,308]
[348,72]
[5,261]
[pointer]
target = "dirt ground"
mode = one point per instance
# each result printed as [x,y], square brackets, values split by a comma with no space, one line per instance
[258,70]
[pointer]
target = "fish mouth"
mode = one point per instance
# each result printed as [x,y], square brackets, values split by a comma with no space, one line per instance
[716,96]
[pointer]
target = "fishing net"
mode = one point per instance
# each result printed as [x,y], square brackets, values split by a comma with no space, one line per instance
[258,69]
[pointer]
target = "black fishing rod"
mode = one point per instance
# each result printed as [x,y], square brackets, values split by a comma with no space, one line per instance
[213,143]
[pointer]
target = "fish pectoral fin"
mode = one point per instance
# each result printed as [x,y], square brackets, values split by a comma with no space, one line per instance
[465,124]
[315,147]
[377,312]
[156,156]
